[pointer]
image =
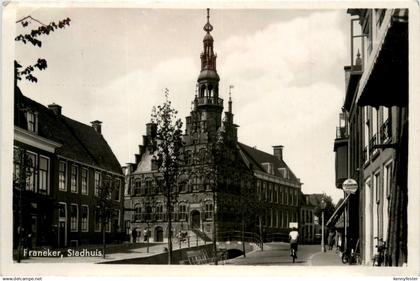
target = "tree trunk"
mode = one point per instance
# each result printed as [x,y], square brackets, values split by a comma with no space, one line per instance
[261,233]
[148,229]
[215,226]
[169,213]
[103,239]
[243,235]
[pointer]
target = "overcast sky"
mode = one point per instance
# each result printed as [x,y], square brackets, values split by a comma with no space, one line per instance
[286,67]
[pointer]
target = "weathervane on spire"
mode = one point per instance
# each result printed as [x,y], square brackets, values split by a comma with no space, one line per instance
[208,27]
[230,91]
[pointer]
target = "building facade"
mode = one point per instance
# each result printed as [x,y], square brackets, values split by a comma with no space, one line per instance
[60,166]
[277,192]
[224,186]
[308,223]
[375,133]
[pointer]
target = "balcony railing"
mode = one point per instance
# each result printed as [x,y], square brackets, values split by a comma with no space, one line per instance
[151,217]
[210,100]
[385,131]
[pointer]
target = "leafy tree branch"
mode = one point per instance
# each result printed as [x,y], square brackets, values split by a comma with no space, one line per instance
[33,38]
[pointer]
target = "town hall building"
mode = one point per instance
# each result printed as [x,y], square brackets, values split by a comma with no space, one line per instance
[224,187]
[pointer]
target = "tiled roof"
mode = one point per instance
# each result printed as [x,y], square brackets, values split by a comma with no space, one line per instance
[257,157]
[315,199]
[79,141]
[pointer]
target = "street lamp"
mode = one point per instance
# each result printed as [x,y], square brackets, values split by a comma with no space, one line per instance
[323,204]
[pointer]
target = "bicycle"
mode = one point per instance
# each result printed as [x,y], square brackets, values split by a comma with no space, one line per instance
[352,256]
[379,258]
[293,255]
[293,252]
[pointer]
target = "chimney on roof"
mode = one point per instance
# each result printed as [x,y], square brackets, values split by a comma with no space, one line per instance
[278,151]
[151,130]
[96,125]
[55,108]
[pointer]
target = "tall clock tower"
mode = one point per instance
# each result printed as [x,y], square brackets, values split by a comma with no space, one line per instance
[205,121]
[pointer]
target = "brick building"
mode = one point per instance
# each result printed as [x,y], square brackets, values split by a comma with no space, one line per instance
[309,225]
[224,185]
[66,164]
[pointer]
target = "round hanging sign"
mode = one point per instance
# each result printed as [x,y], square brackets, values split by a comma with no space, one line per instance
[350,186]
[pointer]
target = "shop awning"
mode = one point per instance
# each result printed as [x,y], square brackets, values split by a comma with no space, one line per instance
[387,78]
[338,211]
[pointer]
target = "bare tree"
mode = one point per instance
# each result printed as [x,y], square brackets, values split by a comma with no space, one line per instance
[168,157]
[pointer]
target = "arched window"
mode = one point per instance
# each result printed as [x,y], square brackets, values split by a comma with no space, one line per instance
[137,212]
[137,186]
[187,157]
[159,212]
[202,155]
[194,183]
[147,215]
[210,91]
[202,90]
[182,212]
[208,213]
[148,187]
[183,183]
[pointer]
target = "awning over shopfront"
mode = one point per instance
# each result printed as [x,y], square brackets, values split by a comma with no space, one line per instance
[338,213]
[387,84]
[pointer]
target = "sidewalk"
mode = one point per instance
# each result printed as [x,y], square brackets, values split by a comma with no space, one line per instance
[132,253]
[328,258]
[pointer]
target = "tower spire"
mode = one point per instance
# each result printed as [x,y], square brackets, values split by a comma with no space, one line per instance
[358,59]
[208,27]
[230,98]
[208,57]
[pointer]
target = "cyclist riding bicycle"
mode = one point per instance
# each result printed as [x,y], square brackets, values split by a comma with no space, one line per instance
[293,238]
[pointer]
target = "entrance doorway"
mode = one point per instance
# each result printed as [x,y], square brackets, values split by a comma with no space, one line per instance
[158,234]
[62,225]
[34,231]
[62,234]
[195,219]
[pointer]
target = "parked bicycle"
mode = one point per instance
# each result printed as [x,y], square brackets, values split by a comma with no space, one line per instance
[352,256]
[379,257]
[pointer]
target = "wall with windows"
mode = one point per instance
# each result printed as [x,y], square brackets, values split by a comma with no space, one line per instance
[379,128]
[33,193]
[78,189]
[280,203]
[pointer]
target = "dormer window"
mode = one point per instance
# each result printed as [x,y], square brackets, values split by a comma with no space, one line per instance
[268,167]
[32,121]
[284,173]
